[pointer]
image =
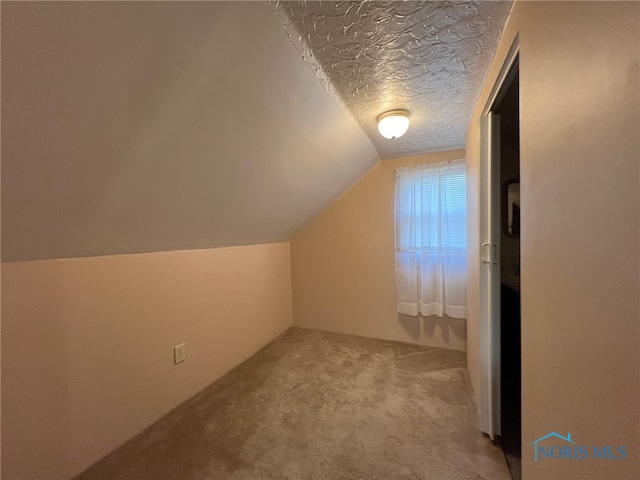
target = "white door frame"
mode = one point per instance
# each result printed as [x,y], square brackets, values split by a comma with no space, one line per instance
[489,251]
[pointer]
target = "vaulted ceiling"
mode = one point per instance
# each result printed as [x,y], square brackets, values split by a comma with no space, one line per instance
[149,126]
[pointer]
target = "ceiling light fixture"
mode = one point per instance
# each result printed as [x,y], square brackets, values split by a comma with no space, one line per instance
[393,124]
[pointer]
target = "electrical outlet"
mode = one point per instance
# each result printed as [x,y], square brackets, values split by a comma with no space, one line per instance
[179,353]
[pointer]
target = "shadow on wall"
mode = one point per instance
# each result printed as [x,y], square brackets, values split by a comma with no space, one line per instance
[443,332]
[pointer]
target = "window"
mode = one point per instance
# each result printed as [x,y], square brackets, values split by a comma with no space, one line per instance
[431,239]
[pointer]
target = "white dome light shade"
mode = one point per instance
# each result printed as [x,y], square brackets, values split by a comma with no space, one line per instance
[393,124]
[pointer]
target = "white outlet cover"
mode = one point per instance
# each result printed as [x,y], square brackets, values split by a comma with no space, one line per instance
[179,353]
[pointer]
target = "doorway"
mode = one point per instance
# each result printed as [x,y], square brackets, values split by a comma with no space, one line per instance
[500,213]
[508,110]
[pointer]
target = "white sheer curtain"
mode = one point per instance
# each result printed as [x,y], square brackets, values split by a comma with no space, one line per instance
[431,239]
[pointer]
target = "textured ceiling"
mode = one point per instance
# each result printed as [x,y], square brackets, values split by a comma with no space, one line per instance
[427,57]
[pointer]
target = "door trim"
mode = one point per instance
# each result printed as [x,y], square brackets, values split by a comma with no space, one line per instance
[504,77]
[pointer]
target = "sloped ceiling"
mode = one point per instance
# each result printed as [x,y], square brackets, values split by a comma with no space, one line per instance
[149,126]
[137,127]
[428,57]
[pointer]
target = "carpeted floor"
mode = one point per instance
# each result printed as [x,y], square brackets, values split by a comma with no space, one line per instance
[316,405]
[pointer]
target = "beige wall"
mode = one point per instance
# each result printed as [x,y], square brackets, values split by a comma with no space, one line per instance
[579,176]
[87,344]
[343,266]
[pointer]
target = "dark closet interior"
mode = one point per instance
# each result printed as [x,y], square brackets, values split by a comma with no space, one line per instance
[510,397]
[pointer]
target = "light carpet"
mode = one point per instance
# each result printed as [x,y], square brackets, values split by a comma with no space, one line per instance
[326,406]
